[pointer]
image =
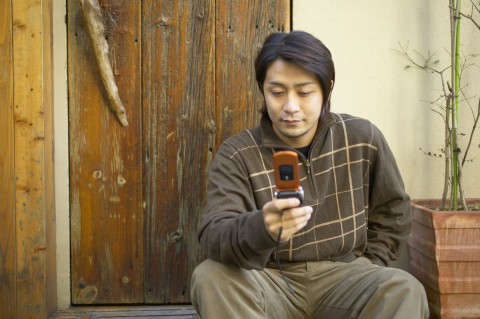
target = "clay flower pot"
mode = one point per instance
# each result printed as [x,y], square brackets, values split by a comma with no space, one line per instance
[444,252]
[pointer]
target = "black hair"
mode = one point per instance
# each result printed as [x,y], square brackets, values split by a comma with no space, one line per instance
[302,49]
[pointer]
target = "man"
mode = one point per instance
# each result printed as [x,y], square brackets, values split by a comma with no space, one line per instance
[334,247]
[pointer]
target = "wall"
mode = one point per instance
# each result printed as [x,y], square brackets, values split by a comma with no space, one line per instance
[371,82]
[61,153]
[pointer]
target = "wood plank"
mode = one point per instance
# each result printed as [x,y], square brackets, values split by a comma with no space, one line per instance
[33,156]
[7,167]
[180,60]
[178,101]
[151,312]
[105,161]
[240,31]
[49,177]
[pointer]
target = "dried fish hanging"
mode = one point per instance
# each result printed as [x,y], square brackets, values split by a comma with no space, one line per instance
[96,30]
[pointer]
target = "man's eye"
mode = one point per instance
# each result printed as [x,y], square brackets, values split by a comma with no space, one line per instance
[304,93]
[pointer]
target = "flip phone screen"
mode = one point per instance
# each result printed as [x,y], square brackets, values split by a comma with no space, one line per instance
[287,179]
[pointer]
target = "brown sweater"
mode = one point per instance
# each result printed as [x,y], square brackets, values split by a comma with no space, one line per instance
[350,178]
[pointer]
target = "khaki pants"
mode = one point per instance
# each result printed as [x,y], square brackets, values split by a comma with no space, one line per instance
[322,290]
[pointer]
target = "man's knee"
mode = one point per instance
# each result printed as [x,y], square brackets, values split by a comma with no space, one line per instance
[203,270]
[220,291]
[212,275]
[207,279]
[406,289]
[396,294]
[204,273]
[404,283]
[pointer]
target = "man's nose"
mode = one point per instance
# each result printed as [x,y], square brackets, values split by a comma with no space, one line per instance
[292,104]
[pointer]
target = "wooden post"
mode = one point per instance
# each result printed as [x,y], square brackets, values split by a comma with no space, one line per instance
[27,229]
[7,175]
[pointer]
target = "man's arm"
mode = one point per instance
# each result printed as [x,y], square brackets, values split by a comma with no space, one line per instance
[232,230]
[389,220]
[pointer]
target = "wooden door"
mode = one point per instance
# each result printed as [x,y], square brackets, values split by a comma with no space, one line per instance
[184,70]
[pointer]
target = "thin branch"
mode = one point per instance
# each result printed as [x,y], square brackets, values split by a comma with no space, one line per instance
[427,61]
[474,127]
[470,16]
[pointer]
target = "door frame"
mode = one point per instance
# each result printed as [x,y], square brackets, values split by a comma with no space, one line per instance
[62,195]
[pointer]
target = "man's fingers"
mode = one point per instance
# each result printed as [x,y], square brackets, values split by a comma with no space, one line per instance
[287,214]
[293,221]
[297,218]
[285,203]
[298,213]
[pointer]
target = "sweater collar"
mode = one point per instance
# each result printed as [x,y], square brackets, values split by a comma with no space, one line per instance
[270,138]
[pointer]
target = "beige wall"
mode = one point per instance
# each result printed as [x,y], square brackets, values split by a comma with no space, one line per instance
[371,83]
[61,153]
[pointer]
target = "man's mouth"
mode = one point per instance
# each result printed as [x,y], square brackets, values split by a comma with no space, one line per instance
[291,121]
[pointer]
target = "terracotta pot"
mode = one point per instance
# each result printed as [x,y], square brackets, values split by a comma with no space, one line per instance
[444,252]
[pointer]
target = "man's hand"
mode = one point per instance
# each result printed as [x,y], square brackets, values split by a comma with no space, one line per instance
[294,217]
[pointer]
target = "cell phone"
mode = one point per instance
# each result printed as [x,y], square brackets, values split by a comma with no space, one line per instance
[285,164]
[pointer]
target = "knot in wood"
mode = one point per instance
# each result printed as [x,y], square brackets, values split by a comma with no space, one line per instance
[162,24]
[176,237]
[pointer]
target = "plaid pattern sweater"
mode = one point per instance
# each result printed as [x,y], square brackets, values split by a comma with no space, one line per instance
[350,178]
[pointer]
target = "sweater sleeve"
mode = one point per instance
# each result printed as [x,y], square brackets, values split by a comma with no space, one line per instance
[389,220]
[231,228]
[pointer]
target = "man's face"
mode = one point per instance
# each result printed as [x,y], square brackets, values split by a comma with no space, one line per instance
[294,98]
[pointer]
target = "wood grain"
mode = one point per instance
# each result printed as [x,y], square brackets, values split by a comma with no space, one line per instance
[240,31]
[178,102]
[197,88]
[105,162]
[130,312]
[34,191]
[7,167]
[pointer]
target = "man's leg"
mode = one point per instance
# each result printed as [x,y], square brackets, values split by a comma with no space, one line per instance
[362,290]
[220,291]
